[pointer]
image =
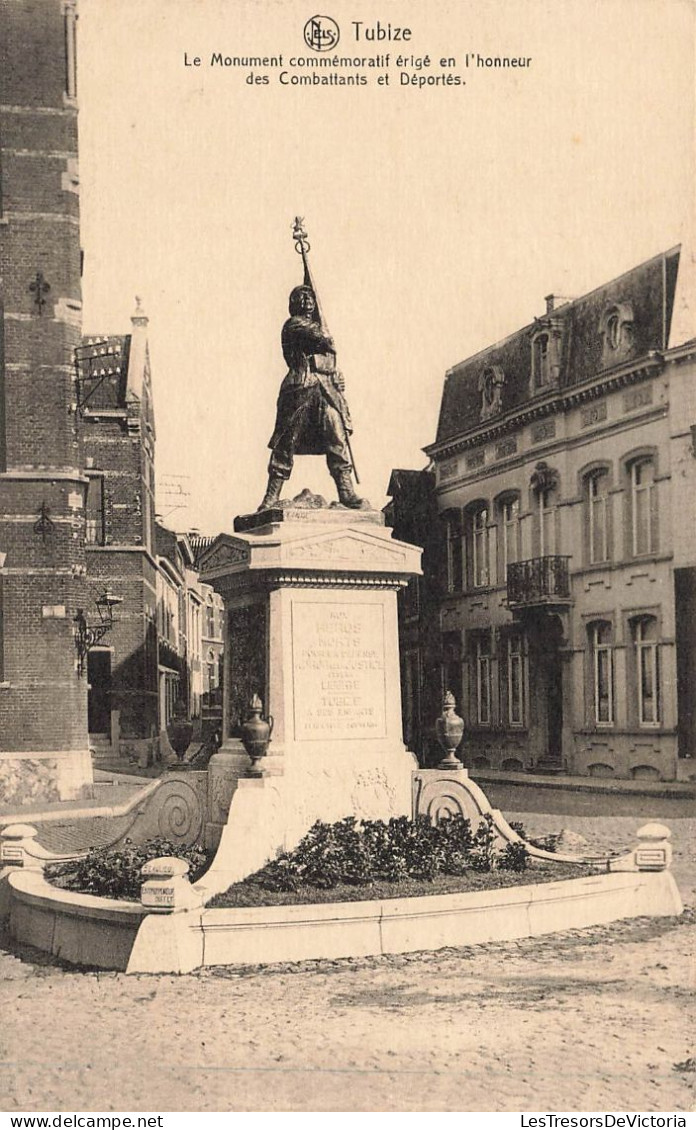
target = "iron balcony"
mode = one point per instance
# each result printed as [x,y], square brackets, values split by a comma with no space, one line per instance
[539,582]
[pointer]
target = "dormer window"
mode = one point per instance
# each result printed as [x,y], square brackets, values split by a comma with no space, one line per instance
[540,360]
[491,384]
[546,341]
[617,333]
[613,330]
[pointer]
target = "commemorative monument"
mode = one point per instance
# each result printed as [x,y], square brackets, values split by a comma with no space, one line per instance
[311,640]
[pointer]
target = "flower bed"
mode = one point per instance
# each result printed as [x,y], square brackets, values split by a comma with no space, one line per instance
[249,893]
[351,861]
[115,872]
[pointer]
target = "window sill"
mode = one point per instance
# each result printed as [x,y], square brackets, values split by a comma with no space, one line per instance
[496,729]
[645,559]
[631,731]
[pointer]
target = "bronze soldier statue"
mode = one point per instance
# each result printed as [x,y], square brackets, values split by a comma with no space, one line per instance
[312,416]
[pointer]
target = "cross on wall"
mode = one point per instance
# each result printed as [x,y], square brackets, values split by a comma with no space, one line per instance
[39,288]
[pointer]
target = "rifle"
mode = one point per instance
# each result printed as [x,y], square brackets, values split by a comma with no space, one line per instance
[324,363]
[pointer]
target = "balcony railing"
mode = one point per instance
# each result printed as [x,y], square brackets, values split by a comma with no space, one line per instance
[539,581]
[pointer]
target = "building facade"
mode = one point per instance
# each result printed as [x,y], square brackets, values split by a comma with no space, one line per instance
[565,479]
[44,751]
[190,621]
[412,513]
[206,685]
[116,422]
[174,619]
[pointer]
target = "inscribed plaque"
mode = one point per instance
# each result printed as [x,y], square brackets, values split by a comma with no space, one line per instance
[338,671]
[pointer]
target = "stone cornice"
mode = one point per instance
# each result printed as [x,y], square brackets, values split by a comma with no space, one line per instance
[679,353]
[606,382]
[291,578]
[41,475]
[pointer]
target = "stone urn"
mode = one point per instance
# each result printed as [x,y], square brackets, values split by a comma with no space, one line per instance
[180,730]
[449,728]
[256,731]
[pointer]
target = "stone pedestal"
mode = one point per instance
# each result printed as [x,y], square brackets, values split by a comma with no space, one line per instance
[311,627]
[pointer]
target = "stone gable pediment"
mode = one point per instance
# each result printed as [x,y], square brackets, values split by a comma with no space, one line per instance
[230,551]
[343,549]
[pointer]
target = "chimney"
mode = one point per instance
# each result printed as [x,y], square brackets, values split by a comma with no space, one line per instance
[550,301]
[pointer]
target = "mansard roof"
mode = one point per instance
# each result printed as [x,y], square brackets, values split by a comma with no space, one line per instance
[648,290]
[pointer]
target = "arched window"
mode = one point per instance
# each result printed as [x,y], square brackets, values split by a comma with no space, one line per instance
[508,514]
[454,549]
[602,651]
[480,560]
[545,484]
[210,617]
[646,670]
[597,502]
[643,508]
[613,330]
[617,332]
[546,504]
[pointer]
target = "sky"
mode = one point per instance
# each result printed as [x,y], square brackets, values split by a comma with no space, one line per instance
[439,216]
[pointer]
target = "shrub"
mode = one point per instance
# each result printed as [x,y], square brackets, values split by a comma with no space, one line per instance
[484,852]
[115,872]
[514,857]
[359,853]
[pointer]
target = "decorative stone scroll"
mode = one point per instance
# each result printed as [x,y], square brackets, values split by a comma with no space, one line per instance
[439,794]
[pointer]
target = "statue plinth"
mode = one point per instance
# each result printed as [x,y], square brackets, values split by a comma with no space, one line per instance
[311,627]
[307,508]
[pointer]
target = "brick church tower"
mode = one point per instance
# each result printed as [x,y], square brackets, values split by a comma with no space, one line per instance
[43,698]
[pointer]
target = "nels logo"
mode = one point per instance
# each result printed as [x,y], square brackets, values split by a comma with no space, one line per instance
[321,33]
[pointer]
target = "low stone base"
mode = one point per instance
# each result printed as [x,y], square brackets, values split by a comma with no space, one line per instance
[185,941]
[31,779]
[272,813]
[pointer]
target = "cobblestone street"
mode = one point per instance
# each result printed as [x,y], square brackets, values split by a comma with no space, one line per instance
[595,1019]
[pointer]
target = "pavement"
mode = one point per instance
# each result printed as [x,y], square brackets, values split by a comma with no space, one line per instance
[585,796]
[595,1019]
[72,827]
[110,790]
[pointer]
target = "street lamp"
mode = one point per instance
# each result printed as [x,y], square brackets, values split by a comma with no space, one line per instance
[88,635]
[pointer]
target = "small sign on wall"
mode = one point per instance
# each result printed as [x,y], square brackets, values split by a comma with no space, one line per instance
[54,612]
